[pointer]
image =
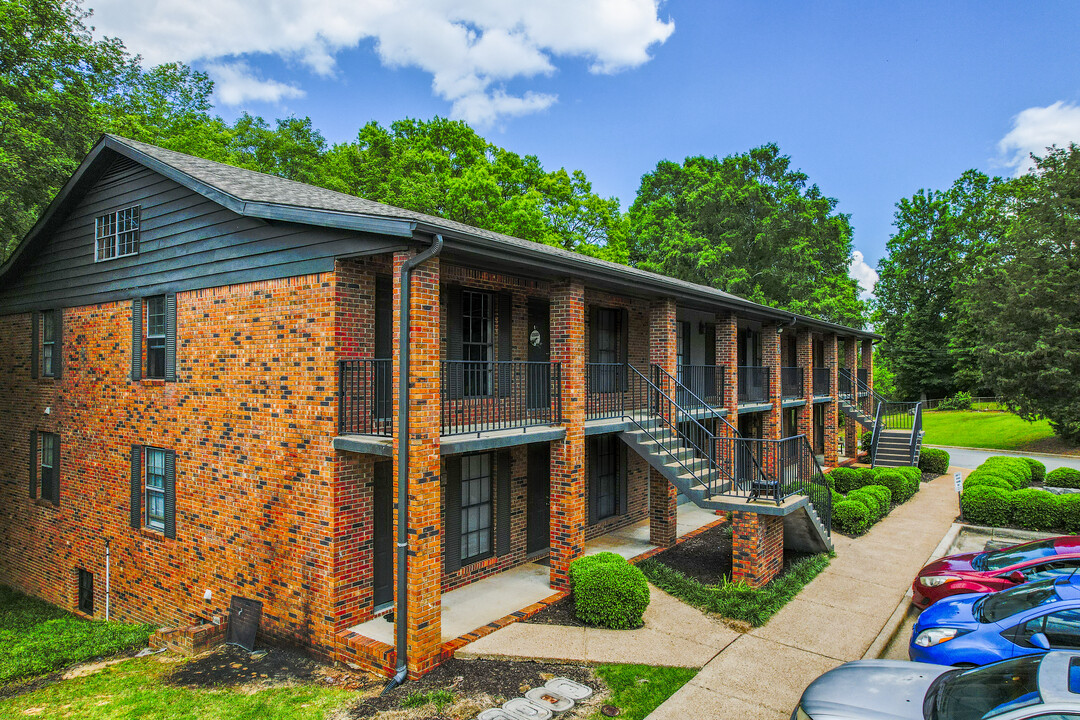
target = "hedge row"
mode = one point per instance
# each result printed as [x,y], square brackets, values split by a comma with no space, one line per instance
[864,495]
[997,494]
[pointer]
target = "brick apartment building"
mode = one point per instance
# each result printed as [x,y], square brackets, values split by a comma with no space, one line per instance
[199,366]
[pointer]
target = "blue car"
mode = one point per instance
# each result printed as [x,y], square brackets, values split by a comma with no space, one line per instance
[978,629]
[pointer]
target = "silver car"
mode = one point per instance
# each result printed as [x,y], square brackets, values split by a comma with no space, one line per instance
[1035,687]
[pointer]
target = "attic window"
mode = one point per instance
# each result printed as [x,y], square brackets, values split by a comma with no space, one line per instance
[117,234]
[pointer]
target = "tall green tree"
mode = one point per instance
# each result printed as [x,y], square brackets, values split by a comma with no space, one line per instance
[748,224]
[1022,298]
[443,167]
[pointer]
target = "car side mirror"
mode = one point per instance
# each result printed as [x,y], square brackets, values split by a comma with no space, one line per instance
[1040,641]
[1016,576]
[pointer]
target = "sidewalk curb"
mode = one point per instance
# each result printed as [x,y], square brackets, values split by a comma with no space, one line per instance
[892,626]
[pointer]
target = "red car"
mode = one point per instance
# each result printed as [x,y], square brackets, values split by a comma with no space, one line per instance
[996,569]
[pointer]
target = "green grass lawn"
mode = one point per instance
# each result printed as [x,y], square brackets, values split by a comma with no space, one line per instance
[637,690]
[37,638]
[991,430]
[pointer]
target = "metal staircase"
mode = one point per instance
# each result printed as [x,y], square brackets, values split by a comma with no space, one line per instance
[896,427]
[694,447]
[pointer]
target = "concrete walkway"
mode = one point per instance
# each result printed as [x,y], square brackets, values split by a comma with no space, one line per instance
[761,675]
[674,634]
[964,457]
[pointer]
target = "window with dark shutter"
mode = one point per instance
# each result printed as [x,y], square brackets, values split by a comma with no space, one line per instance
[454,376]
[170,338]
[502,500]
[452,520]
[155,337]
[136,486]
[154,488]
[58,355]
[170,494]
[136,339]
[607,477]
[476,508]
[33,464]
[50,467]
[48,342]
[86,592]
[477,338]
[35,346]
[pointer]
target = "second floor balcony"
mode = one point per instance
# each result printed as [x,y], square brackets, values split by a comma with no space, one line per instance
[822,381]
[791,383]
[753,384]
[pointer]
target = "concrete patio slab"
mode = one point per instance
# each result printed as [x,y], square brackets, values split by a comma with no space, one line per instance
[530,642]
[633,540]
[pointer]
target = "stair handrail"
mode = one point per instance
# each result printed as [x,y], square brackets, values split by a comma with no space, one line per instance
[876,436]
[915,443]
[826,494]
[674,426]
[736,435]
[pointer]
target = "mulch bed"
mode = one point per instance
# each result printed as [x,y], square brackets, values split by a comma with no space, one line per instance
[500,680]
[231,666]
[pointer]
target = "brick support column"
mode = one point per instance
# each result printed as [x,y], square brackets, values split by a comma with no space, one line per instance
[425,566]
[569,509]
[852,429]
[757,547]
[663,506]
[727,356]
[804,359]
[866,361]
[663,510]
[770,357]
[831,407]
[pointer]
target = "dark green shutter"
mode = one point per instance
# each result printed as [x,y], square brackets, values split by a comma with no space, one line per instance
[58,346]
[455,382]
[502,517]
[35,342]
[170,494]
[590,477]
[33,463]
[54,485]
[136,339]
[624,347]
[452,522]
[595,378]
[623,468]
[136,486]
[170,338]
[506,322]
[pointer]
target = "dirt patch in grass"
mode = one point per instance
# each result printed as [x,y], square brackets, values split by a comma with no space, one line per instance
[231,666]
[462,688]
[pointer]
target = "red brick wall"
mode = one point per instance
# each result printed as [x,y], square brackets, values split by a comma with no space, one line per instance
[805,360]
[770,357]
[831,411]
[250,420]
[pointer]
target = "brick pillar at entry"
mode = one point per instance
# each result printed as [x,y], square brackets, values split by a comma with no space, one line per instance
[727,357]
[663,505]
[866,362]
[770,358]
[425,564]
[831,408]
[852,429]
[757,547]
[569,498]
[804,360]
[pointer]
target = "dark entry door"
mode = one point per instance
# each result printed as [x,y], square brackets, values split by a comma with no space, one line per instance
[819,429]
[383,532]
[539,376]
[539,498]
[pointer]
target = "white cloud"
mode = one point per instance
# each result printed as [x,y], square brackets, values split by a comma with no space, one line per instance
[236,83]
[1036,129]
[866,276]
[471,48]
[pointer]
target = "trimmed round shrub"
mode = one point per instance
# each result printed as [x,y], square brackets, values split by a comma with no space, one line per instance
[986,480]
[1034,509]
[844,479]
[877,499]
[865,441]
[933,460]
[987,506]
[868,501]
[1014,469]
[1065,477]
[1069,506]
[851,517]
[608,592]
[883,495]
[1038,470]
[898,486]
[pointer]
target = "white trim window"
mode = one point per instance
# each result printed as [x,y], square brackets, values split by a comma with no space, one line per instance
[116,234]
[155,488]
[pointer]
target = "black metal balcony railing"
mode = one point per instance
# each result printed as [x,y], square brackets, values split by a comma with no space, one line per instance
[791,383]
[705,383]
[822,381]
[607,390]
[862,375]
[499,395]
[753,384]
[364,398]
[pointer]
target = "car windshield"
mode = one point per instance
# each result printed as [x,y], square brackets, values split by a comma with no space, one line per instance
[1015,555]
[1007,603]
[985,692]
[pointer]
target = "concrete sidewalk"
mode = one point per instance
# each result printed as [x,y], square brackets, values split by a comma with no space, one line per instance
[761,675]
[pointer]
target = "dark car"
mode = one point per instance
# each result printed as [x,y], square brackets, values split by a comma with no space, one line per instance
[995,570]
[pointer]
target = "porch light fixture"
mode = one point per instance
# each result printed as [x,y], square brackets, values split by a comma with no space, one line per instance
[534,337]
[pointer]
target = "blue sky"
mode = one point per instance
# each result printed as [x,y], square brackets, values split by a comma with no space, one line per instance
[872,100]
